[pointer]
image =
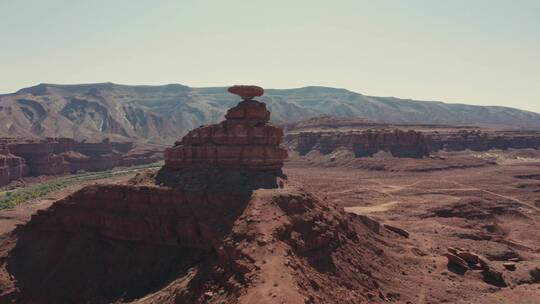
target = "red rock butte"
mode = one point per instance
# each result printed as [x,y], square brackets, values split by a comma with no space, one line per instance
[245,140]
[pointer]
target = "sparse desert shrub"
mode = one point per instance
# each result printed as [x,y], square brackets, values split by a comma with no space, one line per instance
[18,196]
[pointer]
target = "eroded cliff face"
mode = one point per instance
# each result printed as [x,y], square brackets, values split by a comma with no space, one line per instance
[366,143]
[478,140]
[107,243]
[51,156]
[11,167]
[410,143]
[151,244]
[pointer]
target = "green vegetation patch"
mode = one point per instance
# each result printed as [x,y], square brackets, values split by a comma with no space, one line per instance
[12,198]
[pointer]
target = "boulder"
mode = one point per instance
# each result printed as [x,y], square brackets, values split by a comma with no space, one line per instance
[468,256]
[456,260]
[397,230]
[247,92]
[510,266]
[494,277]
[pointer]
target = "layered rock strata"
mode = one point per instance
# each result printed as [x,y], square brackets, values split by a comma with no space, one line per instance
[401,143]
[116,243]
[149,244]
[244,140]
[51,156]
[366,143]
[11,167]
[478,140]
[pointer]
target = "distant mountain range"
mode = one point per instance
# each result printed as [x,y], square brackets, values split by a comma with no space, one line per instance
[162,114]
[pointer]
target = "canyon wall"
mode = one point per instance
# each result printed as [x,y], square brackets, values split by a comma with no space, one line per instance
[367,143]
[409,143]
[51,156]
[11,167]
[478,140]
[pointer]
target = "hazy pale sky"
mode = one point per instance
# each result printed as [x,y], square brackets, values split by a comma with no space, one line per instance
[467,51]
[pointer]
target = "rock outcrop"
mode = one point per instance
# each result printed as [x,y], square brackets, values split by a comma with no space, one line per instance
[107,243]
[52,156]
[411,143]
[366,143]
[244,140]
[465,259]
[478,140]
[39,157]
[11,167]
[150,244]
[246,92]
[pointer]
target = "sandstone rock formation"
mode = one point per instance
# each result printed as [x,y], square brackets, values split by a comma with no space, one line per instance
[150,244]
[466,259]
[478,140]
[246,92]
[11,167]
[366,143]
[151,234]
[215,225]
[367,138]
[243,140]
[51,156]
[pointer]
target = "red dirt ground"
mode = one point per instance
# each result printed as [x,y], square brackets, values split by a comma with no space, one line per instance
[485,202]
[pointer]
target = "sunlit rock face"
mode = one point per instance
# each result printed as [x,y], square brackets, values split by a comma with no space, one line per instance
[244,140]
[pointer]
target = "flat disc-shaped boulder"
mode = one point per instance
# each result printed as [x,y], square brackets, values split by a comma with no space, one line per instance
[247,92]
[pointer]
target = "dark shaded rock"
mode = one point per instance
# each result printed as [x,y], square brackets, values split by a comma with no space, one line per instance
[456,260]
[493,276]
[397,230]
[214,179]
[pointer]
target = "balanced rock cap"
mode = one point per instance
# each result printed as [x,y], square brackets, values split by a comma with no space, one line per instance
[247,92]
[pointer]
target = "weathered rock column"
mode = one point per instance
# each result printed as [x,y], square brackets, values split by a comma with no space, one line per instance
[245,140]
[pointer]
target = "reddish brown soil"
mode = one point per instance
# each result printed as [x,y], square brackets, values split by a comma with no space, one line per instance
[292,244]
[148,244]
[492,209]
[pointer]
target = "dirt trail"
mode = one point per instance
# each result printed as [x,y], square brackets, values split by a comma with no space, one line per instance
[370,209]
[275,284]
[532,206]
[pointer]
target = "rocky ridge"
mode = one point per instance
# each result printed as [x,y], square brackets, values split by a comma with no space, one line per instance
[365,138]
[159,114]
[148,244]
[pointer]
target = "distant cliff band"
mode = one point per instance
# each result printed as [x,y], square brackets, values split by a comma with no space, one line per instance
[52,156]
